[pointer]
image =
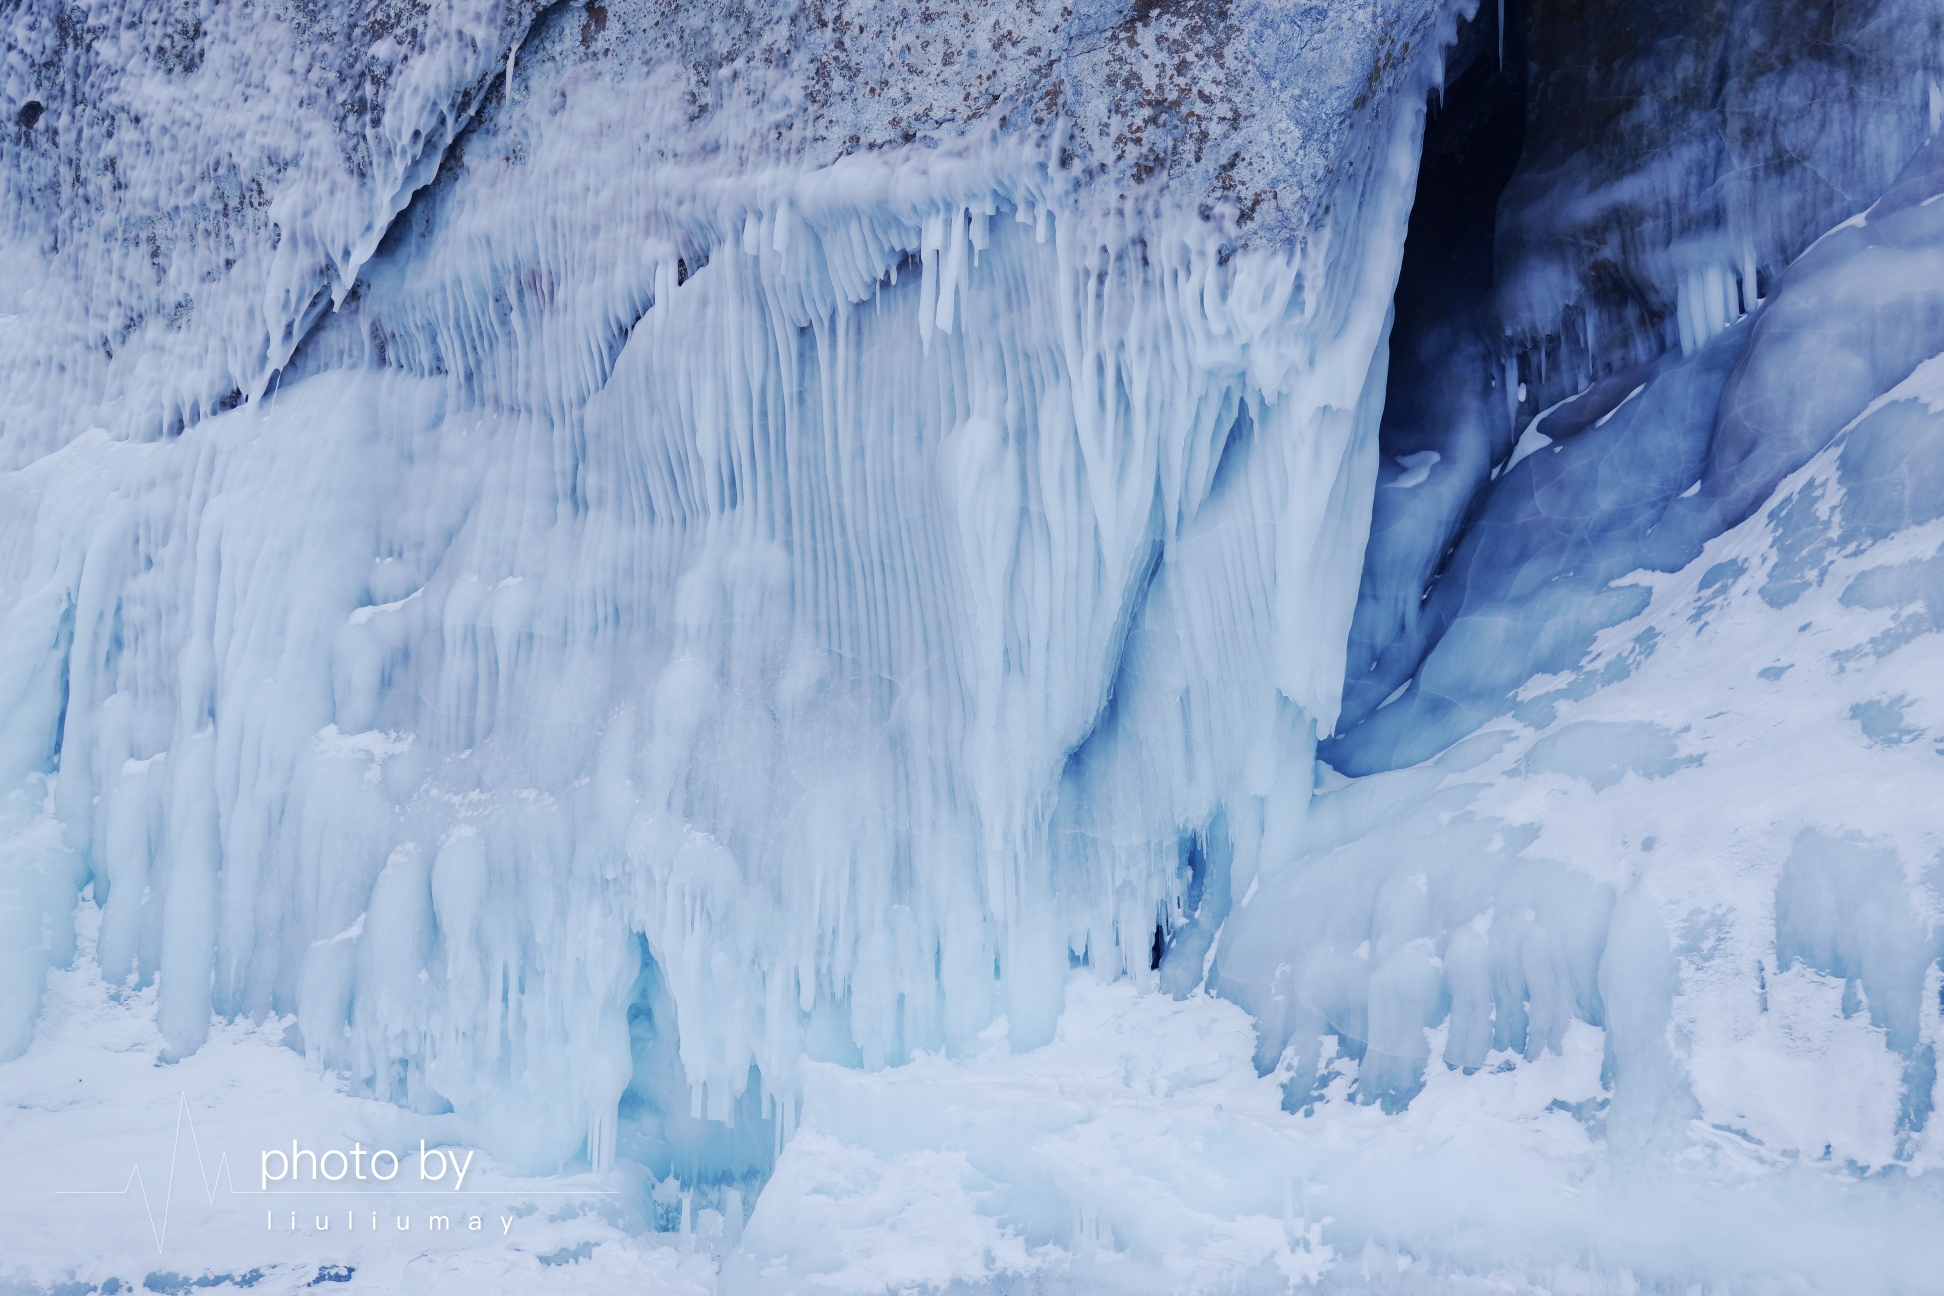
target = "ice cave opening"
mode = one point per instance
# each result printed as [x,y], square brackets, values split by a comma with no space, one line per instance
[1451,404]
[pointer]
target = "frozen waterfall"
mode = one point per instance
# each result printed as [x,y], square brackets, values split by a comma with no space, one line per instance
[849,589]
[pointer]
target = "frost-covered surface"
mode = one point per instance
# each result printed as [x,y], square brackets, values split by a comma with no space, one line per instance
[189,186]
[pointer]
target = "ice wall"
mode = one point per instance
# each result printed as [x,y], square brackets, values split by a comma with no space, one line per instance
[701,578]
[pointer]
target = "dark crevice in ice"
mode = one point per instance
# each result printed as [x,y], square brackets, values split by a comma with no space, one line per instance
[1446,421]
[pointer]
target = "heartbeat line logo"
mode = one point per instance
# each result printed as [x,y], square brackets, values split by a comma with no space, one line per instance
[159,1229]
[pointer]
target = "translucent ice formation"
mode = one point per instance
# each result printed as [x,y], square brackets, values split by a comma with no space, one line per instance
[681,600]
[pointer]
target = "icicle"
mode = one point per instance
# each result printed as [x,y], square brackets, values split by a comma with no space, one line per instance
[951,273]
[1715,286]
[930,243]
[1684,314]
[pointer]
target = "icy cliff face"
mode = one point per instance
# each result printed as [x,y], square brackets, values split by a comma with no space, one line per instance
[740,536]
[623,571]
